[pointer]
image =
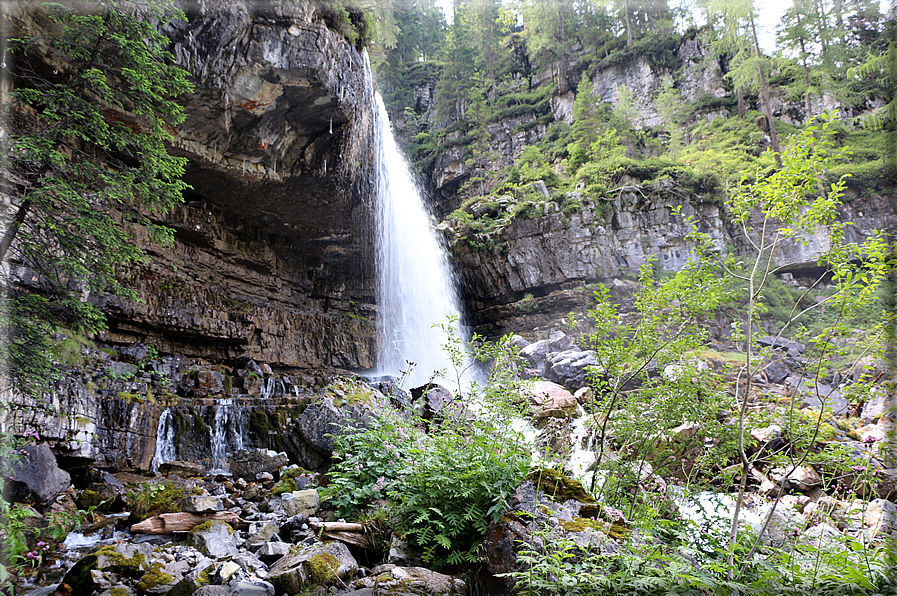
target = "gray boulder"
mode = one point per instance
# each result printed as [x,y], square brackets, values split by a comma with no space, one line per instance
[217,540]
[570,368]
[311,441]
[535,354]
[36,478]
[248,463]
[313,564]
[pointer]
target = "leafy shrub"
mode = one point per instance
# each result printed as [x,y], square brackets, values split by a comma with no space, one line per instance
[152,498]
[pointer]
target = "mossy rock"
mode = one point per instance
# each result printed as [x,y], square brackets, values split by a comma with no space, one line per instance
[154,576]
[322,568]
[558,487]
[284,485]
[292,473]
[581,524]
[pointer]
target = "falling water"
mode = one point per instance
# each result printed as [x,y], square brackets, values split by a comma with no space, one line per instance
[165,450]
[227,436]
[415,287]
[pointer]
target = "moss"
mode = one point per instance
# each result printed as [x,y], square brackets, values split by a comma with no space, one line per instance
[322,568]
[119,591]
[285,485]
[204,577]
[590,511]
[206,525]
[349,392]
[125,565]
[292,473]
[559,487]
[581,524]
[154,577]
[153,498]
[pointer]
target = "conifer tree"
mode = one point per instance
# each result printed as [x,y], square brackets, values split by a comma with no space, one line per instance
[88,159]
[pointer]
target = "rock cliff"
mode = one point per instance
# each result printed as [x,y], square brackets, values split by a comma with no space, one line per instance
[271,260]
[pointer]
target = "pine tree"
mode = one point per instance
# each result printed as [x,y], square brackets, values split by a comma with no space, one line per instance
[87,153]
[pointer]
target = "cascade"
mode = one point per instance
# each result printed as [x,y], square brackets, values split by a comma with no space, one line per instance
[165,450]
[415,285]
[227,432]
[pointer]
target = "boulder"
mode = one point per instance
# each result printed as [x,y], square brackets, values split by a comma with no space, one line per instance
[201,504]
[570,368]
[35,478]
[793,348]
[301,502]
[776,371]
[435,403]
[260,533]
[534,355]
[215,539]
[318,564]
[550,400]
[320,422]
[390,579]
[880,518]
[248,463]
[186,469]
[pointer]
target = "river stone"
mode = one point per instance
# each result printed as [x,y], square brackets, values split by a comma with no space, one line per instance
[252,587]
[550,400]
[301,502]
[37,479]
[248,463]
[570,368]
[186,469]
[291,572]
[217,540]
[201,504]
[261,532]
[270,552]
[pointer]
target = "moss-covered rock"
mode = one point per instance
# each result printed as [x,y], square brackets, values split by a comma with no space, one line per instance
[559,487]
[322,568]
[581,524]
[154,576]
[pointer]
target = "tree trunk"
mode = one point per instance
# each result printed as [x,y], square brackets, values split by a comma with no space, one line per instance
[764,96]
[178,523]
[628,23]
[13,228]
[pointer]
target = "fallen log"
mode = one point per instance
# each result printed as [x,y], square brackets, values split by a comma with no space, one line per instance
[177,523]
[350,533]
[337,527]
[355,538]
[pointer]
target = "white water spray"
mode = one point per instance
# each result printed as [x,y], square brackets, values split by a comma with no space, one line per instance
[165,450]
[415,288]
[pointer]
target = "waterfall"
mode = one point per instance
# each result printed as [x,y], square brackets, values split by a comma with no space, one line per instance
[226,432]
[165,450]
[415,286]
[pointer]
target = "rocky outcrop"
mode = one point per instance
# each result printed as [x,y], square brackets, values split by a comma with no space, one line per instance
[535,269]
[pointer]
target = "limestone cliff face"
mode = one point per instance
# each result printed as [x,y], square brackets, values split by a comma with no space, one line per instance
[271,260]
[537,270]
[272,250]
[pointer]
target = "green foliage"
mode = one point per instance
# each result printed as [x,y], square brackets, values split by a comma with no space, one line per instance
[453,485]
[152,498]
[94,167]
[447,484]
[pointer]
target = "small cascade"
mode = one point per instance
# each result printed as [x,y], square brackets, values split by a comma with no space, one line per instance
[583,453]
[267,386]
[227,432]
[415,285]
[165,449]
